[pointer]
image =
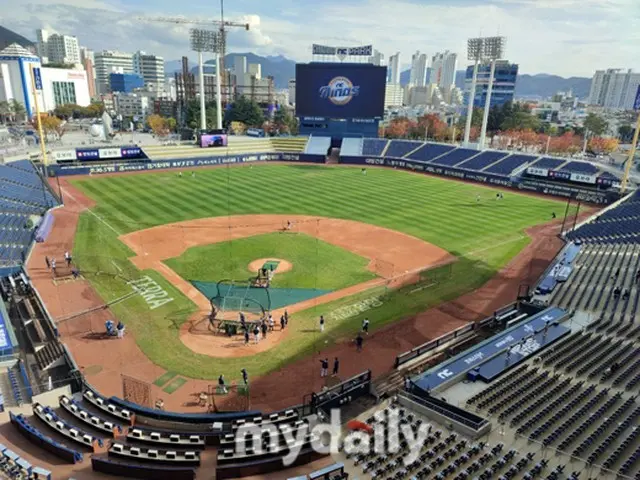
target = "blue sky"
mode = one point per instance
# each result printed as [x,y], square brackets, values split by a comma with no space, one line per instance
[563,37]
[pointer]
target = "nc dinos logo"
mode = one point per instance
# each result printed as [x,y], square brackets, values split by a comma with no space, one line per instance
[340,90]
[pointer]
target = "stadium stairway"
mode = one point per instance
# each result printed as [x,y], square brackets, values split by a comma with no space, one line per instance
[318,145]
[49,354]
[237,146]
[351,147]
[289,144]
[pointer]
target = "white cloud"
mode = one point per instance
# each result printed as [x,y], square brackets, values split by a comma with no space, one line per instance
[565,37]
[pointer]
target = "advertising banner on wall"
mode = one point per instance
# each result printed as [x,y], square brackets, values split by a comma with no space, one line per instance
[64,155]
[110,153]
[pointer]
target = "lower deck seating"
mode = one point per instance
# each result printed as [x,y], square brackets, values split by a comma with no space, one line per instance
[35,436]
[156,455]
[123,469]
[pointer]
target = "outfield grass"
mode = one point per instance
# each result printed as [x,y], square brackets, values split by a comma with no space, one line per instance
[484,237]
[316,264]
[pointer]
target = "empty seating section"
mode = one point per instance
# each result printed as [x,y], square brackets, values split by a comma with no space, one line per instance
[351,147]
[91,419]
[318,145]
[453,157]
[482,160]
[123,469]
[49,416]
[580,167]
[510,164]
[429,152]
[184,457]
[399,148]
[35,436]
[104,404]
[548,163]
[156,436]
[15,386]
[620,224]
[374,147]
[22,193]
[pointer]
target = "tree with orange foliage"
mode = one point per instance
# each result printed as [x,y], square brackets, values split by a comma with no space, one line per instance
[566,143]
[398,128]
[603,145]
[158,125]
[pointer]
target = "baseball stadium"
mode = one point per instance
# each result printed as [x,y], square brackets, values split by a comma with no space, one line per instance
[160,299]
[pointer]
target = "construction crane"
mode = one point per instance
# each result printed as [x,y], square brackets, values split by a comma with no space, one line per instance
[221,24]
[220,54]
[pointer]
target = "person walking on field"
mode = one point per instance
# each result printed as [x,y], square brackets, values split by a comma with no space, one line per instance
[256,334]
[322,323]
[221,386]
[283,322]
[359,342]
[67,258]
[53,266]
[246,337]
[365,326]
[336,367]
[324,367]
[245,376]
[46,260]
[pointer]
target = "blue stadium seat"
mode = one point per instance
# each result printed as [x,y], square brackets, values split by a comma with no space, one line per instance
[430,151]
[548,163]
[399,148]
[509,164]
[580,167]
[374,146]
[454,157]
[482,160]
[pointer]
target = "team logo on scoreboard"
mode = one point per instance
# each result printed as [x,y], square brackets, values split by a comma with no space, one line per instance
[339,91]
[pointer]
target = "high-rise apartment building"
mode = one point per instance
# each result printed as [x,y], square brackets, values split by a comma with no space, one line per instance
[151,69]
[393,73]
[55,48]
[107,62]
[418,75]
[443,69]
[87,60]
[504,83]
[614,88]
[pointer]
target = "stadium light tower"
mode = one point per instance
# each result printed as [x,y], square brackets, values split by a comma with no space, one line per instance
[493,50]
[202,41]
[475,50]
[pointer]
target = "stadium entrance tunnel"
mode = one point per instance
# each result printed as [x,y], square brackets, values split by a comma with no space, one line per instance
[230,296]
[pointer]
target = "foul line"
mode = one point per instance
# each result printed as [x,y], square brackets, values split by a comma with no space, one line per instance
[66,192]
[516,239]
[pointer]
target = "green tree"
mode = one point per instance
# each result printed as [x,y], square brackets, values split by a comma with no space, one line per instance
[17,109]
[171,124]
[625,132]
[245,111]
[595,124]
[5,111]
[193,114]
[95,110]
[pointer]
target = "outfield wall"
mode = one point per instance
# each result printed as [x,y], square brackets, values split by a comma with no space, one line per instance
[517,183]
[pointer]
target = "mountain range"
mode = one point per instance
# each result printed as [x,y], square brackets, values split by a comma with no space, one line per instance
[282,69]
[7,37]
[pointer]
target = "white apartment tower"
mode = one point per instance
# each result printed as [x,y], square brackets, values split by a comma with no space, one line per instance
[377,58]
[394,69]
[443,69]
[55,48]
[418,69]
[107,62]
[151,69]
[614,88]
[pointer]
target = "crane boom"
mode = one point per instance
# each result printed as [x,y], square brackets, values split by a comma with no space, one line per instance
[187,21]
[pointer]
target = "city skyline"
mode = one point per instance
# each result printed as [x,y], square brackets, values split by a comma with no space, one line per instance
[573,38]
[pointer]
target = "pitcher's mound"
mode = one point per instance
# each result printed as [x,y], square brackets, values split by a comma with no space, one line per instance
[280,266]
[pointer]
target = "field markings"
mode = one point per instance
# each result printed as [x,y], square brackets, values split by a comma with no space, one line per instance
[491,247]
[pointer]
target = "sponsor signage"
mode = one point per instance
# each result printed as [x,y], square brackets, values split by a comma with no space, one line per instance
[365,50]
[64,155]
[559,175]
[583,178]
[130,152]
[516,338]
[37,78]
[540,172]
[109,153]
[87,154]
